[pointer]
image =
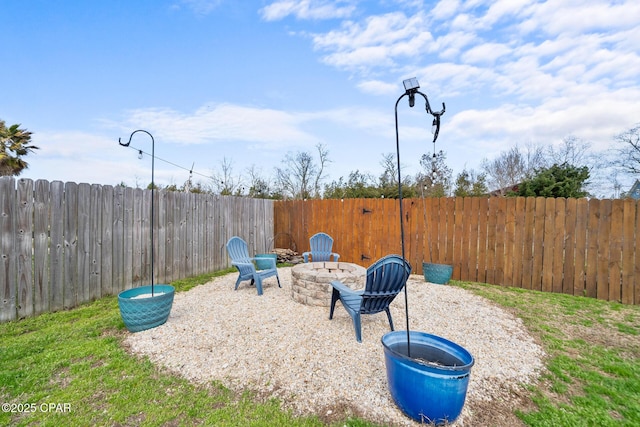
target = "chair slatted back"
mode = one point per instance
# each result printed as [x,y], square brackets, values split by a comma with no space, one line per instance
[321,245]
[385,279]
[238,250]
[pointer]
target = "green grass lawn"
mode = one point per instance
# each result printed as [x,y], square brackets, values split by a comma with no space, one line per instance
[70,368]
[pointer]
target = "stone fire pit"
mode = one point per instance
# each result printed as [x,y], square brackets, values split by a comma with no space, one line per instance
[310,282]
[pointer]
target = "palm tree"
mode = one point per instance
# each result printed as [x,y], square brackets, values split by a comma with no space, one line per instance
[14,144]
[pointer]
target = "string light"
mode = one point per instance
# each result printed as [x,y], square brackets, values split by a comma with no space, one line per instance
[191,171]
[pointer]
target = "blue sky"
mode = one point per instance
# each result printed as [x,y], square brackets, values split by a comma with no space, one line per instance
[250,81]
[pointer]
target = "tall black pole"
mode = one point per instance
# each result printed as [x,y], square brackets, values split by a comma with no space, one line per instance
[406,298]
[411,87]
[153,143]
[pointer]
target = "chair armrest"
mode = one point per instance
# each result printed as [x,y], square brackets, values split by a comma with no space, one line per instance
[335,257]
[344,289]
[305,256]
[243,265]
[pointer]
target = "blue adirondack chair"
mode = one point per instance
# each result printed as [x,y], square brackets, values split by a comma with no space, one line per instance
[321,245]
[385,279]
[239,254]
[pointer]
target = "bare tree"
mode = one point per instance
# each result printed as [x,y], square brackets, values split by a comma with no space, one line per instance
[224,182]
[323,156]
[389,176]
[573,151]
[512,167]
[259,186]
[627,154]
[577,152]
[436,177]
[301,176]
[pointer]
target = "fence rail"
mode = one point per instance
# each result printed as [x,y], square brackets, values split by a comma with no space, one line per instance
[63,244]
[574,246]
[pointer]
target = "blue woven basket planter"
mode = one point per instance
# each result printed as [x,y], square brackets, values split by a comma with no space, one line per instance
[140,312]
[437,273]
[263,261]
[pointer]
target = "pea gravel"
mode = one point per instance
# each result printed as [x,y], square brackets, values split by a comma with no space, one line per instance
[314,366]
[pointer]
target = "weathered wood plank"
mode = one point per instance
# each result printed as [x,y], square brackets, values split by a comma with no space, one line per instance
[42,289]
[84,242]
[128,224]
[24,247]
[95,249]
[8,291]
[118,235]
[106,284]
[137,277]
[57,246]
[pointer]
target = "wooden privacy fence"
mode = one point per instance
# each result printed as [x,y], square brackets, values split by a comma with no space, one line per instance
[574,246]
[63,244]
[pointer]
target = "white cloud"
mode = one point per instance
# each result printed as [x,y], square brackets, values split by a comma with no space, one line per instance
[577,17]
[445,9]
[378,87]
[223,123]
[376,42]
[307,9]
[486,53]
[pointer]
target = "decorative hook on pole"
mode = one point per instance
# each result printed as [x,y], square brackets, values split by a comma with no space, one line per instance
[153,185]
[411,87]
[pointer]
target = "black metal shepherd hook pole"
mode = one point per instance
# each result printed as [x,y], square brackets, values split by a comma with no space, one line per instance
[411,88]
[153,143]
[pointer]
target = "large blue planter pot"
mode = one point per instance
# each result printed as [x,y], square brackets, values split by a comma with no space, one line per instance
[140,311]
[431,386]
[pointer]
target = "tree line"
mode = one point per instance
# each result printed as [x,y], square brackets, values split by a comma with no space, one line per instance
[567,170]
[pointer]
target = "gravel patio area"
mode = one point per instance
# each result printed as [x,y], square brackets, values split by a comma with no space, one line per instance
[283,349]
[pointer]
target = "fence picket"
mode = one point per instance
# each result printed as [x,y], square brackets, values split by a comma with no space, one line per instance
[628,260]
[558,243]
[57,245]
[24,247]
[615,250]
[41,297]
[84,241]
[580,249]
[8,292]
[604,234]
